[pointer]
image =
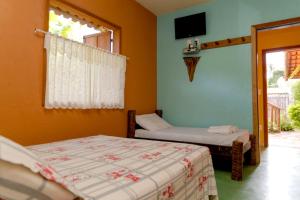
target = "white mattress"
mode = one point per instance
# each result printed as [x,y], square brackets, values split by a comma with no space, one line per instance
[197,135]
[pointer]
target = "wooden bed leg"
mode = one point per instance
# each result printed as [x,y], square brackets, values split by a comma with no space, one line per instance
[131,123]
[253,150]
[237,161]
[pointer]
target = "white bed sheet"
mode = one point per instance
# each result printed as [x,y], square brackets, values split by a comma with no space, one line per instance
[197,135]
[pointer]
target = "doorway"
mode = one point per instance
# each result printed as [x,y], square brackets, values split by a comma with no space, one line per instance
[282,82]
[259,97]
[274,35]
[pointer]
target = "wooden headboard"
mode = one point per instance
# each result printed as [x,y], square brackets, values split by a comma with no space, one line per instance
[132,125]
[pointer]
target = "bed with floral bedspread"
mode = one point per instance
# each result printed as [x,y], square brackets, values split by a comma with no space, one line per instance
[111,168]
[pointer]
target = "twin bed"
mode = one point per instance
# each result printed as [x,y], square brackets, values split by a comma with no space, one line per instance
[234,148]
[106,168]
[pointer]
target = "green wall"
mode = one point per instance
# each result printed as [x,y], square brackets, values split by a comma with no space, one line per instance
[221,90]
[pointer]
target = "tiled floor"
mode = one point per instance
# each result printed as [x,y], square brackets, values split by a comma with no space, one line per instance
[276,178]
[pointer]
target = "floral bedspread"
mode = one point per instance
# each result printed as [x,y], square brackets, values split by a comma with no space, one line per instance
[112,168]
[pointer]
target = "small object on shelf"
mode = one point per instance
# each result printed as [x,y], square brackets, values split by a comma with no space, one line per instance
[191,50]
[197,42]
[192,47]
[189,43]
[191,63]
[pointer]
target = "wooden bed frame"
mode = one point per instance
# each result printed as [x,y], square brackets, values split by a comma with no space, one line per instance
[234,155]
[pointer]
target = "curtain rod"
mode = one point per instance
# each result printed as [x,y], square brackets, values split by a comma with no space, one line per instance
[37,30]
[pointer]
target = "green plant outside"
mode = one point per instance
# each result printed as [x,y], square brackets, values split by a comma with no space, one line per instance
[58,27]
[286,125]
[296,91]
[272,83]
[294,113]
[294,110]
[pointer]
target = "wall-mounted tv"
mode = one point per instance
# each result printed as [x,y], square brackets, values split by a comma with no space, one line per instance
[190,26]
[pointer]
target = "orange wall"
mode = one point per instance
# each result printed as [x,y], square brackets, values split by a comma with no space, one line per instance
[271,39]
[22,116]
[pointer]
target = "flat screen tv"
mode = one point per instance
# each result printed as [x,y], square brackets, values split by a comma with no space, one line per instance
[190,26]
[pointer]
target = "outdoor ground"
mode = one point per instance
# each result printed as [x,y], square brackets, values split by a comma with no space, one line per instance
[285,139]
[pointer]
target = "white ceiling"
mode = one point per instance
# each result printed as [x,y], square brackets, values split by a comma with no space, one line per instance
[159,7]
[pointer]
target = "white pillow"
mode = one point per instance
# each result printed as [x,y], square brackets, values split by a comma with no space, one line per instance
[14,153]
[21,177]
[17,154]
[152,122]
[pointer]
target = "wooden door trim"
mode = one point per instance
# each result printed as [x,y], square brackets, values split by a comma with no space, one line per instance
[280,23]
[283,48]
[255,122]
[265,97]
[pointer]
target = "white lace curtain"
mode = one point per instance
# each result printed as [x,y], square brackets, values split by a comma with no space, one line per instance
[82,77]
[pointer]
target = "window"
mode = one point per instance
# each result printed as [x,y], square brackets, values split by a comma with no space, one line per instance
[68,28]
[78,75]
[81,26]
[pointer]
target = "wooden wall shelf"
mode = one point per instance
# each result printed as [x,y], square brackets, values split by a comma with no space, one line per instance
[226,43]
[191,63]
